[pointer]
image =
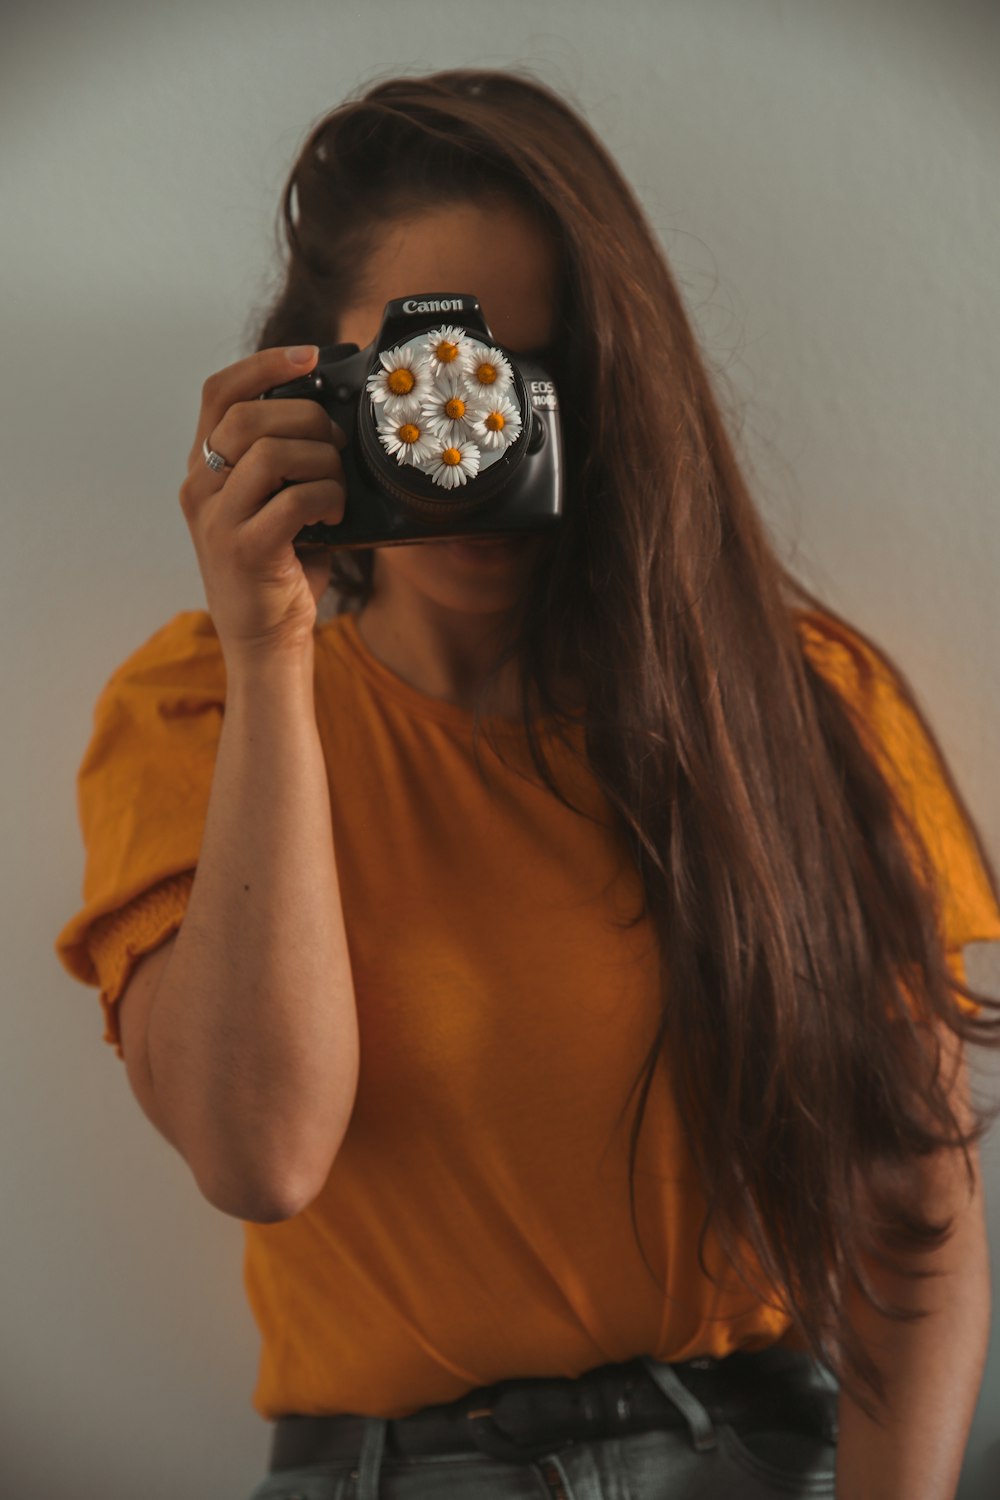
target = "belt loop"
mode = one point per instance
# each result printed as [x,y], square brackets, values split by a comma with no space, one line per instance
[697,1418]
[370,1458]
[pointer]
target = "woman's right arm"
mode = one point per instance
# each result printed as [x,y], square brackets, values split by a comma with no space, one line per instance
[241,1042]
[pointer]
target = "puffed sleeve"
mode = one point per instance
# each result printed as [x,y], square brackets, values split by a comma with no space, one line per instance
[969,909]
[142,797]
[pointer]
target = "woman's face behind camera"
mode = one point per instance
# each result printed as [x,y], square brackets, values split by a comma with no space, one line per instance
[493,249]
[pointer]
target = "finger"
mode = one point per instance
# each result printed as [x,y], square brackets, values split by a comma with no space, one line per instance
[245,380]
[316,566]
[247,421]
[284,516]
[265,467]
[270,466]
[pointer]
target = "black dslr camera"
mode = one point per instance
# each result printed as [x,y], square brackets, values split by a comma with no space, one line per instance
[448,434]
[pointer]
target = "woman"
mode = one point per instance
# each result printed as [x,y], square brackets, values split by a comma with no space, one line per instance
[391,994]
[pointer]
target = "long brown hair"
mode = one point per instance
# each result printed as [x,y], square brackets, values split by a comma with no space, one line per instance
[795,905]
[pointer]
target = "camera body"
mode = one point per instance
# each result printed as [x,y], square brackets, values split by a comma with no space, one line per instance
[495,448]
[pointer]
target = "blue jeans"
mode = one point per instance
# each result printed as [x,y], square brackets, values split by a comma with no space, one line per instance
[703,1460]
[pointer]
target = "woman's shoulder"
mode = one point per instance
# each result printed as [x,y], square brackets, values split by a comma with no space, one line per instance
[880,697]
[889,714]
[842,651]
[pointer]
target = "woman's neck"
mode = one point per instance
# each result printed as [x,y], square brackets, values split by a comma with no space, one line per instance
[442,657]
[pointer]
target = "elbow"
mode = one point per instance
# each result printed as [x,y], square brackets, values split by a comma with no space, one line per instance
[254,1203]
[267,1182]
[273,1201]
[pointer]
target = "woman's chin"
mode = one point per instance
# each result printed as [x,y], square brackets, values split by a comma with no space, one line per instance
[489,551]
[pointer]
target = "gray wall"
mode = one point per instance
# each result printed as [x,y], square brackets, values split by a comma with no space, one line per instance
[824,179]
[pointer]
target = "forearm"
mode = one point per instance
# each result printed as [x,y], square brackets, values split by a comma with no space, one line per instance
[933,1370]
[253,1039]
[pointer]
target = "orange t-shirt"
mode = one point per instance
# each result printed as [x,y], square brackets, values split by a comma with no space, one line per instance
[475,1223]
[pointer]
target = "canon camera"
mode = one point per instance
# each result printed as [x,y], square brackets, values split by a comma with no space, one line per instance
[449,434]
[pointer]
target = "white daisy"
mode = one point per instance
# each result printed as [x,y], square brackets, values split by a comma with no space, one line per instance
[451,464]
[487,371]
[407,439]
[443,411]
[445,349]
[402,382]
[495,423]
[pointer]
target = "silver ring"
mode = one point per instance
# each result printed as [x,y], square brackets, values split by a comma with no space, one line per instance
[214,460]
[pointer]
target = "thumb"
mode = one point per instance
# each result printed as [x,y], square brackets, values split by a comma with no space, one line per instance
[316,566]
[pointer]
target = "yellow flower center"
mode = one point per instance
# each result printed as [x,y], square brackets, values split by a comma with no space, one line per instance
[494,421]
[451,456]
[486,374]
[446,352]
[401,382]
[455,408]
[408,433]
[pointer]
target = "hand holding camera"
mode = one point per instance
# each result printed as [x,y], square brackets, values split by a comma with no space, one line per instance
[283,470]
[432,432]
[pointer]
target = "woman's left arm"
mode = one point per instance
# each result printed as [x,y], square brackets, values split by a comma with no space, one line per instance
[933,1368]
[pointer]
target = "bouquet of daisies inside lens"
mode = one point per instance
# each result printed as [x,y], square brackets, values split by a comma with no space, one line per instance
[448,405]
